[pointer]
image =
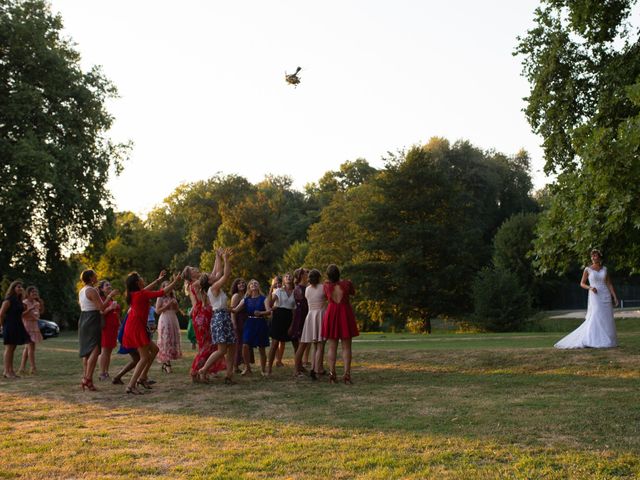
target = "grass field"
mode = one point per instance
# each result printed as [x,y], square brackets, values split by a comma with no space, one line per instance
[440,406]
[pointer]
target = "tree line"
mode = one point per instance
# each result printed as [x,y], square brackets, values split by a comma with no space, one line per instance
[440,229]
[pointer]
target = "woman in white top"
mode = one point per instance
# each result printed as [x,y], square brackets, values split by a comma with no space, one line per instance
[223,332]
[312,330]
[284,302]
[90,325]
[599,329]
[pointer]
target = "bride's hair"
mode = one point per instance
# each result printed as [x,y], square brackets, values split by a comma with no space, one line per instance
[595,250]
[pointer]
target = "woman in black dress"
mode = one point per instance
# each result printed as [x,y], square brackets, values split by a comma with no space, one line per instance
[13,329]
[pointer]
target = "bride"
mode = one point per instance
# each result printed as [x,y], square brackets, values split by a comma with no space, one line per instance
[598,330]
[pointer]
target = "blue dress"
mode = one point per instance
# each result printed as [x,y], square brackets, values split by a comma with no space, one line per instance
[123,350]
[256,331]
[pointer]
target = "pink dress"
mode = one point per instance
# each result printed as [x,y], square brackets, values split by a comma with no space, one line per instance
[30,321]
[168,331]
[338,321]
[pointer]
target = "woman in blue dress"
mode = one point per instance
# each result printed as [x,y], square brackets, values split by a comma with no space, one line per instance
[256,330]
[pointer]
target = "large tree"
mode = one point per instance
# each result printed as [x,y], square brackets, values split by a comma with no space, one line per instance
[55,157]
[434,212]
[582,60]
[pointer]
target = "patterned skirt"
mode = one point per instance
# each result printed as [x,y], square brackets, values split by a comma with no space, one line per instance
[222,327]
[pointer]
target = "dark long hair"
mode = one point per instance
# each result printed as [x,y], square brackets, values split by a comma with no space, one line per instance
[234,286]
[131,284]
[101,288]
[333,273]
[204,284]
[314,277]
[11,291]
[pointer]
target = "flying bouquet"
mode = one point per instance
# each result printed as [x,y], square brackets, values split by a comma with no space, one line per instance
[293,79]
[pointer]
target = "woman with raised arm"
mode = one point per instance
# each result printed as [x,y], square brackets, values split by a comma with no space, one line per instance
[256,330]
[285,303]
[599,328]
[168,330]
[90,325]
[223,333]
[339,322]
[135,332]
[13,331]
[109,337]
[33,308]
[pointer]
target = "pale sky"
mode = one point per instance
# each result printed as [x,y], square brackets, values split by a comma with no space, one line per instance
[202,85]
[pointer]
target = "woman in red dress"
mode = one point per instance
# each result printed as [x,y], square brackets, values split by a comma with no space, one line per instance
[135,330]
[196,286]
[339,322]
[109,337]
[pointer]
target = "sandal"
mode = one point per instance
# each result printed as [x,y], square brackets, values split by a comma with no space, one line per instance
[228,381]
[103,376]
[117,381]
[332,377]
[144,384]
[133,391]
[347,379]
[313,375]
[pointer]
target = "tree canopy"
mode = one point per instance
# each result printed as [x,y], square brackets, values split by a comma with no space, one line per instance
[582,60]
[56,157]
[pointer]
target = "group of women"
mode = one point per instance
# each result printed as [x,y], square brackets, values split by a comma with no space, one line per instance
[302,310]
[19,315]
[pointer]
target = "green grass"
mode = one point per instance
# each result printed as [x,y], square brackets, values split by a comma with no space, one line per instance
[440,406]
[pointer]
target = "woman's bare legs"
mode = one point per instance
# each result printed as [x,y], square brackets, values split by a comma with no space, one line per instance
[104,360]
[8,360]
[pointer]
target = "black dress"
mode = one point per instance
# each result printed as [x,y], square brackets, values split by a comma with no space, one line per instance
[13,329]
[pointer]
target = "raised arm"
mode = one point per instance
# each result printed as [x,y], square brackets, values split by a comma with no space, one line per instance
[216,273]
[173,284]
[226,258]
[154,284]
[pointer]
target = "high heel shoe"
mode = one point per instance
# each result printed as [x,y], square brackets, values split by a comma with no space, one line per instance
[144,384]
[88,384]
[347,379]
[332,377]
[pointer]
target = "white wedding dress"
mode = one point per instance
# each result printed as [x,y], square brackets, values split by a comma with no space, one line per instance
[599,329]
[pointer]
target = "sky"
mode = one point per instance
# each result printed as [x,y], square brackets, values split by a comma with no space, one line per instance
[202,90]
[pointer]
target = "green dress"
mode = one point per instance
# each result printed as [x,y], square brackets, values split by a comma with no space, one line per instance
[191,333]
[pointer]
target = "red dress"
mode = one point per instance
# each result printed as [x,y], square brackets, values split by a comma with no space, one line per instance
[201,317]
[109,338]
[135,330]
[338,321]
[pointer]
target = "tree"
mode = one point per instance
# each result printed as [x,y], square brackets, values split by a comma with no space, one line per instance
[261,227]
[501,303]
[583,67]
[513,243]
[434,213]
[56,157]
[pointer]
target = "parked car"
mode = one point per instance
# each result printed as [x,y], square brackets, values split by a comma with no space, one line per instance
[48,328]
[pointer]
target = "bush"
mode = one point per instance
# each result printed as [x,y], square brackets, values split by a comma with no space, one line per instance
[501,304]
